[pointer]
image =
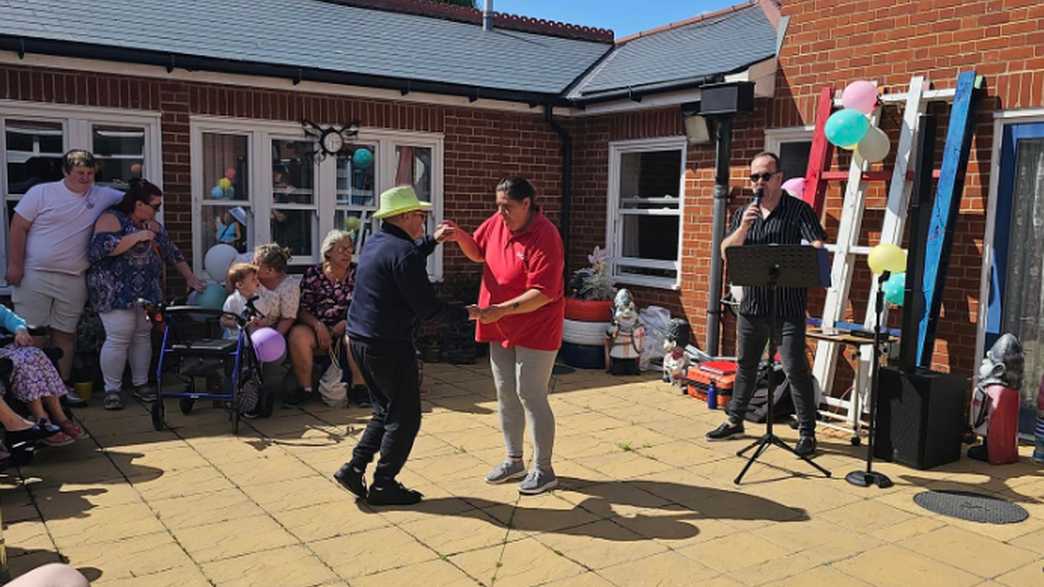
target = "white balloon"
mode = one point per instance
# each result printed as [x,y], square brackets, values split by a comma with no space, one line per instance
[875,145]
[217,261]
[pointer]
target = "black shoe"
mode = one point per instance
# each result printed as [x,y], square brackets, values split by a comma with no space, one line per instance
[351,479]
[71,399]
[359,395]
[394,494]
[727,431]
[806,446]
[295,398]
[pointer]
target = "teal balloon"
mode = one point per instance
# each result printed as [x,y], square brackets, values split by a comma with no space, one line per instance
[217,193]
[212,297]
[895,289]
[362,158]
[845,128]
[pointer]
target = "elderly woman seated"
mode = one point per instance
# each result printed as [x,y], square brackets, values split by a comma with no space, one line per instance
[326,291]
[35,382]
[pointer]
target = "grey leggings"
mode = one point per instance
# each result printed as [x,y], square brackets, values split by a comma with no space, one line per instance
[521,375]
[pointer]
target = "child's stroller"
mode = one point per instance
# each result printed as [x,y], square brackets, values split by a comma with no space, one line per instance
[209,366]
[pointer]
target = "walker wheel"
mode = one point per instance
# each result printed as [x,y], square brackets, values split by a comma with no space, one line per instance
[855,440]
[186,404]
[157,415]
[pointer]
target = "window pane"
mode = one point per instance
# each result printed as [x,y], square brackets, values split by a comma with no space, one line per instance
[356,183]
[793,158]
[231,225]
[225,157]
[121,154]
[34,154]
[351,221]
[650,179]
[293,172]
[650,237]
[294,229]
[414,168]
[624,270]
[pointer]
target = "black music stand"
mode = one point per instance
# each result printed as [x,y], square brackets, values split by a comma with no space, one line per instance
[775,266]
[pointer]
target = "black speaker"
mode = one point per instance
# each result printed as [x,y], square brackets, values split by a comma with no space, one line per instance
[727,98]
[920,417]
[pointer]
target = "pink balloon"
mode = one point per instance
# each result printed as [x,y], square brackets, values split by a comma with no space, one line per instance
[795,186]
[269,345]
[861,96]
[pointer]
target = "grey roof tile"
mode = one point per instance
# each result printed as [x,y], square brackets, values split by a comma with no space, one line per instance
[719,44]
[314,34]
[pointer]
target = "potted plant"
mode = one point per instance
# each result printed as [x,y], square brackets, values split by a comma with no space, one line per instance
[590,291]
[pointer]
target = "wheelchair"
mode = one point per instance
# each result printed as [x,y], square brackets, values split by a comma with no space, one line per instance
[194,349]
[22,452]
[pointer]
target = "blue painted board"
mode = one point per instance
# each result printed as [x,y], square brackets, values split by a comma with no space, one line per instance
[944,211]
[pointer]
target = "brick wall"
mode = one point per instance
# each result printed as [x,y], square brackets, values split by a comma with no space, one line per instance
[833,43]
[481,146]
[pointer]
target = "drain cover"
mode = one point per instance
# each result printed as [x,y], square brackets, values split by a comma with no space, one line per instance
[973,507]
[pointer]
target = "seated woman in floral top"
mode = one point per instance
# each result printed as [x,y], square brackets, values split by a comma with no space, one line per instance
[326,291]
[127,252]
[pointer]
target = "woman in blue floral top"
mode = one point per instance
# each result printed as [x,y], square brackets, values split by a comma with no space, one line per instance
[127,253]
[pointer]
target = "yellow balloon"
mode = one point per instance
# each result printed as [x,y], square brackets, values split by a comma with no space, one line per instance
[887,257]
[224,183]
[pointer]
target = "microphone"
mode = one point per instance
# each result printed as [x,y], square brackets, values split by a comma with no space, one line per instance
[758,194]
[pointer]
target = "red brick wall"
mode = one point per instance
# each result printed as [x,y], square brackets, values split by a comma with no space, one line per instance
[481,146]
[833,43]
[591,176]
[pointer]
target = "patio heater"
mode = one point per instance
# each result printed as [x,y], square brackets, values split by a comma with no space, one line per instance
[719,103]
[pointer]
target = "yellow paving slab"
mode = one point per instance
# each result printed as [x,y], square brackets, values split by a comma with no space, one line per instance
[521,563]
[382,549]
[224,540]
[135,557]
[292,566]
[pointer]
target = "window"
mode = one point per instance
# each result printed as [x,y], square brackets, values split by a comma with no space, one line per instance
[272,174]
[33,138]
[646,193]
[792,145]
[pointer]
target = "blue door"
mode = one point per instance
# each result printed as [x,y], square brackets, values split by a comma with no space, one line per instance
[1016,301]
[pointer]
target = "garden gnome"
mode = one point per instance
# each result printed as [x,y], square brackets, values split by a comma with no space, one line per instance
[675,361]
[624,337]
[995,402]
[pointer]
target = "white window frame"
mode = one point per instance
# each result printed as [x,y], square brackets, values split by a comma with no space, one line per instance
[78,126]
[614,228]
[260,134]
[1000,120]
[775,137]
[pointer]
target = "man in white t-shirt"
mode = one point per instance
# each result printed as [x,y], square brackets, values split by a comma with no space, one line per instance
[47,251]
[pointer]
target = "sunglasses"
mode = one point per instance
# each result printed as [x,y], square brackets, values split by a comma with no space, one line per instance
[754,177]
[155,207]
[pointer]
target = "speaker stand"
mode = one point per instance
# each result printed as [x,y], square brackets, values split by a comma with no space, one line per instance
[869,477]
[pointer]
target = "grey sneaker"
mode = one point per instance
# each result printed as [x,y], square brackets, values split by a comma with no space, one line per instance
[145,393]
[72,399]
[538,481]
[508,470]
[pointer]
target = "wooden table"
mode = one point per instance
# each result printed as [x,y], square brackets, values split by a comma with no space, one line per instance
[851,420]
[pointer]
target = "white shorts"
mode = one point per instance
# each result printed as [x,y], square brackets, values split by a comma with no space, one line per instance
[46,298]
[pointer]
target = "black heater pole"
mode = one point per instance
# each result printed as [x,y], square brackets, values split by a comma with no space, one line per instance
[722,160]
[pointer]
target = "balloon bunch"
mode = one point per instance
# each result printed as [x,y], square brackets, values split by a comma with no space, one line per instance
[224,189]
[850,127]
[890,258]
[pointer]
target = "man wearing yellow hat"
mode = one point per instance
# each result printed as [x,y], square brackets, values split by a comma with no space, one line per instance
[392,295]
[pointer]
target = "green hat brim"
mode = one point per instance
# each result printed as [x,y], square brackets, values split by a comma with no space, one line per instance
[399,211]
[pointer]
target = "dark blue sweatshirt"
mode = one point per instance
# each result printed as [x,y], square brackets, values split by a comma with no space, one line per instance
[392,293]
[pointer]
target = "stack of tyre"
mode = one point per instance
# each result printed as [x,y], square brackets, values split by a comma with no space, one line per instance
[583,337]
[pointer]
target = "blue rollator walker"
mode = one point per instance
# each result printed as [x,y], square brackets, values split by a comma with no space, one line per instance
[193,346]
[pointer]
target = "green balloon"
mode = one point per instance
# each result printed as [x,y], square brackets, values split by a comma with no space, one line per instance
[895,289]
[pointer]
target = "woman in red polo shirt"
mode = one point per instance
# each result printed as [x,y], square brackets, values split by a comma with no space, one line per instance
[522,312]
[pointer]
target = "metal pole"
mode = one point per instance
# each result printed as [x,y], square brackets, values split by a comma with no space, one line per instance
[722,158]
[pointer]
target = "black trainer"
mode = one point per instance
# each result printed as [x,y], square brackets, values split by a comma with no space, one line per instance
[393,494]
[727,431]
[351,479]
[806,446]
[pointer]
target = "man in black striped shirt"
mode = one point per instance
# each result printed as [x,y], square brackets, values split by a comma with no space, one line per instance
[784,220]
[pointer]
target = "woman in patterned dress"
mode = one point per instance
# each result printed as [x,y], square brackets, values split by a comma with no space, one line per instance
[326,291]
[127,252]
